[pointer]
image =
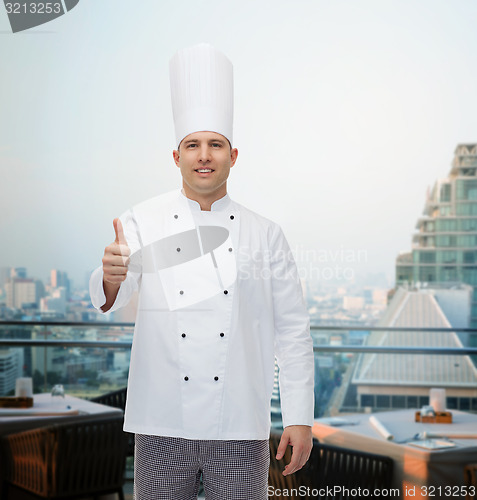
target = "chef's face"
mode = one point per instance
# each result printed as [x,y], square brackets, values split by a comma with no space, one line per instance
[205,160]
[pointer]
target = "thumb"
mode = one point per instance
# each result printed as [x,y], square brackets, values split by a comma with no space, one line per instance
[282,446]
[118,229]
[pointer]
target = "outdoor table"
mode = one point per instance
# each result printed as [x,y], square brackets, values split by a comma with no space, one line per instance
[47,410]
[418,472]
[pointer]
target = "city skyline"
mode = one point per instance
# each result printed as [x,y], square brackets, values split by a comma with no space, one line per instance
[345,115]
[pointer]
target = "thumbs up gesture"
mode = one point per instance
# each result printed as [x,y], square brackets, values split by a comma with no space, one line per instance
[116,257]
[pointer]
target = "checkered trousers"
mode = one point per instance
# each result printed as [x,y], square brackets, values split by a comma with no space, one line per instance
[169,468]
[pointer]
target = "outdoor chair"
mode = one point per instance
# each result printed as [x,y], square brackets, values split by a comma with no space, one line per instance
[329,467]
[67,460]
[470,474]
[117,399]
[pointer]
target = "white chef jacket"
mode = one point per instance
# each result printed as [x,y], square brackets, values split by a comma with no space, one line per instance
[219,299]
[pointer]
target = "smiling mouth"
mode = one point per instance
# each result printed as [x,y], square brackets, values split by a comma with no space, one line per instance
[203,170]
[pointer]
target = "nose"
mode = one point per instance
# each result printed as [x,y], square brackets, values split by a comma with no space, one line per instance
[204,153]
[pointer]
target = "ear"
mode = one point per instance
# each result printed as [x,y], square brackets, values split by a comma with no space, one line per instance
[233,156]
[175,155]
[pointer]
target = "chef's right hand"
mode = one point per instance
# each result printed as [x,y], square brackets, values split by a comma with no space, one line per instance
[116,257]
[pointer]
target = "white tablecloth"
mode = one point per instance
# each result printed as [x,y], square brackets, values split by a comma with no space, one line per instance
[46,411]
[414,468]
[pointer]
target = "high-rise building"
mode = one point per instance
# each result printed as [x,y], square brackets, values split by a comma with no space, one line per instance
[445,245]
[11,367]
[60,279]
[18,272]
[21,291]
[55,303]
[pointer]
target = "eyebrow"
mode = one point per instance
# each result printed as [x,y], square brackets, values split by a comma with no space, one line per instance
[190,141]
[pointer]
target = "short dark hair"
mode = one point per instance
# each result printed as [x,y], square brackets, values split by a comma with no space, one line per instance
[179,146]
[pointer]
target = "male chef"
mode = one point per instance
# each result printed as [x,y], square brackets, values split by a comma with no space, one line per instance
[219,300]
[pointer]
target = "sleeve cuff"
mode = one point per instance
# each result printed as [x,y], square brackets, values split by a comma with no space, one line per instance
[96,290]
[98,298]
[300,410]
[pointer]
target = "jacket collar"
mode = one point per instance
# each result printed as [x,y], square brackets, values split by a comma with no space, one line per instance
[218,205]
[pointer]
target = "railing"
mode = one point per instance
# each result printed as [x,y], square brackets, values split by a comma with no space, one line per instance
[316,348]
[89,367]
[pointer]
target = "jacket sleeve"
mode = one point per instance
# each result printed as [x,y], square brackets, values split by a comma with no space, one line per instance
[293,342]
[133,278]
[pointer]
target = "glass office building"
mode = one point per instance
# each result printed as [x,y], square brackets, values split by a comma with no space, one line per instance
[444,248]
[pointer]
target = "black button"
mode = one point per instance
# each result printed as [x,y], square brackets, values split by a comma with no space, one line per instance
[226,292]
[222,334]
[230,249]
[176,216]
[232,217]
[182,292]
[186,378]
[178,249]
[183,335]
[216,378]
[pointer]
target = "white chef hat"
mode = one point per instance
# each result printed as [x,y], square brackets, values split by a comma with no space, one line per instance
[202,91]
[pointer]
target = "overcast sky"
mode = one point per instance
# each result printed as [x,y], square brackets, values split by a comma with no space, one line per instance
[345,112]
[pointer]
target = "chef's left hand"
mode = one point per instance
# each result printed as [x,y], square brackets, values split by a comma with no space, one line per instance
[301,440]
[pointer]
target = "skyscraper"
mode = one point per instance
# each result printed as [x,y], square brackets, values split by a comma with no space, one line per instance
[21,291]
[60,279]
[445,245]
[11,367]
[18,272]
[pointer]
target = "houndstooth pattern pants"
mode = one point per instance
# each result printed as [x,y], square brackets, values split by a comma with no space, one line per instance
[169,468]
